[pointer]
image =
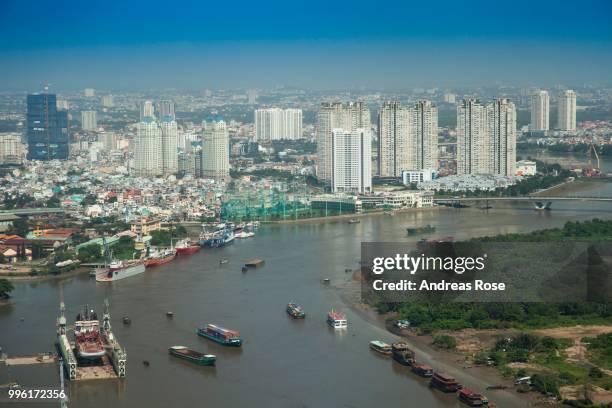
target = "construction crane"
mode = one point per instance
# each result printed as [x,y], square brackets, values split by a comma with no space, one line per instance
[590,151]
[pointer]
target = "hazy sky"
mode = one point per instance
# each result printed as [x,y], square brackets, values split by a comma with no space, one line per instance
[317,44]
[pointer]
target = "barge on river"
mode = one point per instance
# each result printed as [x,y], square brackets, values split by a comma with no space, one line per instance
[221,335]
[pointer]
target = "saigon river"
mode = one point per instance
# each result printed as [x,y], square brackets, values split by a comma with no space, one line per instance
[283,363]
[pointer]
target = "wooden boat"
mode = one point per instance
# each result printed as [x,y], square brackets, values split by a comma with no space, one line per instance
[444,382]
[380,347]
[402,354]
[472,398]
[192,355]
[422,370]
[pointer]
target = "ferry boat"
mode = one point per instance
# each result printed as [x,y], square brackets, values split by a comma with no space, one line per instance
[294,310]
[220,335]
[422,370]
[337,320]
[193,356]
[120,270]
[185,247]
[402,354]
[158,257]
[444,382]
[380,347]
[87,338]
[472,398]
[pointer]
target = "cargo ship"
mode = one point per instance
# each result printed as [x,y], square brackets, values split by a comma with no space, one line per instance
[185,247]
[221,335]
[120,270]
[444,383]
[380,347]
[193,356]
[472,398]
[422,370]
[294,310]
[87,338]
[337,320]
[158,257]
[402,354]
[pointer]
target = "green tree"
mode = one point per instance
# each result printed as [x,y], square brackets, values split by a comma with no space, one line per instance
[6,287]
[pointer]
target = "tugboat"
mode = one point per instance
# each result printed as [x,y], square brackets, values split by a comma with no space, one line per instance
[444,383]
[381,347]
[157,257]
[422,370]
[294,310]
[402,354]
[185,247]
[87,338]
[220,335]
[472,398]
[337,320]
[193,356]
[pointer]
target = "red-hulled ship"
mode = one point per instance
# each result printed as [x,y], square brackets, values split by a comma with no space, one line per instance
[158,257]
[87,338]
[186,247]
[472,398]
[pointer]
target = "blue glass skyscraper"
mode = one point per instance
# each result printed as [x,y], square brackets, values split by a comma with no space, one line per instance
[47,128]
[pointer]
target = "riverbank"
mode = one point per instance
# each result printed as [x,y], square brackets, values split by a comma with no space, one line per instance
[46,277]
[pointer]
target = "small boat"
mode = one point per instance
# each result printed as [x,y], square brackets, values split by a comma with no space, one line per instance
[420,230]
[354,221]
[337,320]
[127,320]
[170,314]
[444,382]
[380,347]
[497,387]
[348,270]
[193,356]
[472,398]
[294,310]
[223,261]
[221,335]
[244,269]
[244,234]
[325,281]
[422,370]
[402,354]
[146,363]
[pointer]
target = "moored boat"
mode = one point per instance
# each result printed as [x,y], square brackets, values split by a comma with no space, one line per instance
[220,335]
[192,355]
[354,221]
[472,398]
[337,320]
[120,270]
[158,257]
[422,370]
[185,247]
[402,354]
[444,382]
[294,310]
[418,230]
[87,338]
[380,347]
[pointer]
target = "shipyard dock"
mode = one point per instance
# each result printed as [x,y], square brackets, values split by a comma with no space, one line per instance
[112,364]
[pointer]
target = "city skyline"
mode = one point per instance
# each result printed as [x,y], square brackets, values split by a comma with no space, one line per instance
[306,44]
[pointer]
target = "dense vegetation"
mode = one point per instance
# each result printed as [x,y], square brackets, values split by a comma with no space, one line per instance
[6,287]
[454,316]
[600,349]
